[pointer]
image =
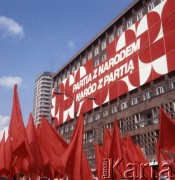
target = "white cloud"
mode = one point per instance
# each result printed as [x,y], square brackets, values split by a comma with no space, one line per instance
[71,44]
[9,82]
[9,27]
[4,124]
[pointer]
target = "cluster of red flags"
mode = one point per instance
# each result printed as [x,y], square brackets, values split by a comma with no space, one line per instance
[119,157]
[41,151]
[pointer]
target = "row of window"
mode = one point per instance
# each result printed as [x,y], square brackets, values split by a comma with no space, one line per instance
[146,96]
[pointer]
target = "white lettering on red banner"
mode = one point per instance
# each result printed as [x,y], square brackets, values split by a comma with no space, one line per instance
[141,54]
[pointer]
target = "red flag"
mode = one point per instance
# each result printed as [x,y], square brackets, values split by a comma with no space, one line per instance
[86,171]
[2,155]
[17,131]
[34,145]
[136,156]
[116,150]
[167,133]
[8,155]
[55,146]
[166,146]
[72,158]
[99,159]
[107,142]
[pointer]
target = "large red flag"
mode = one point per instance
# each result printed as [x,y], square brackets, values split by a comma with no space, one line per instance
[136,156]
[72,158]
[116,150]
[55,145]
[107,142]
[2,155]
[34,145]
[8,155]
[166,133]
[98,160]
[166,146]
[17,131]
[86,171]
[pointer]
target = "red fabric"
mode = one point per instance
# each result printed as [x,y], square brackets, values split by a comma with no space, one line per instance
[34,145]
[116,150]
[2,155]
[8,155]
[107,142]
[98,160]
[86,171]
[72,158]
[166,133]
[166,146]
[136,156]
[17,131]
[54,144]
[42,145]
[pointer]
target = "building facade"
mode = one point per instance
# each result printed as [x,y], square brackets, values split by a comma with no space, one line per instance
[129,69]
[42,97]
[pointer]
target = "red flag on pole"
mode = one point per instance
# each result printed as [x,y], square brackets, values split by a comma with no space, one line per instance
[34,145]
[17,131]
[107,142]
[54,144]
[72,158]
[8,155]
[99,159]
[116,150]
[166,146]
[2,155]
[167,133]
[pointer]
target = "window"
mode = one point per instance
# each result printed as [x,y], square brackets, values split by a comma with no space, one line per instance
[96,51]
[120,30]
[160,90]
[83,61]
[61,131]
[150,6]
[129,23]
[105,113]
[89,55]
[78,65]
[103,45]
[147,95]
[73,69]
[90,136]
[173,85]
[96,62]
[89,119]
[139,15]
[63,77]
[124,105]
[104,57]
[97,116]
[114,109]
[134,101]
[68,73]
[111,38]
[71,126]
[66,129]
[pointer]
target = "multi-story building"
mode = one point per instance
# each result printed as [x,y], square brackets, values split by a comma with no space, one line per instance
[129,68]
[42,97]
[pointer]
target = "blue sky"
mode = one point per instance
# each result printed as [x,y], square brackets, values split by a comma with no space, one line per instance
[42,35]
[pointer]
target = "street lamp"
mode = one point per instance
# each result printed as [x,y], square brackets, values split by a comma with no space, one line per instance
[62,93]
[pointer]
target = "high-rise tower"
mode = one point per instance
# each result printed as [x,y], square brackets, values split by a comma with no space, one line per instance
[42,96]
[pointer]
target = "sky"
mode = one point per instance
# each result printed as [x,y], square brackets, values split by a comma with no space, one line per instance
[42,35]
